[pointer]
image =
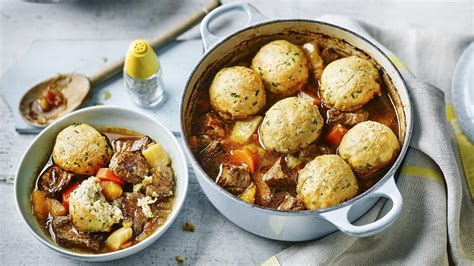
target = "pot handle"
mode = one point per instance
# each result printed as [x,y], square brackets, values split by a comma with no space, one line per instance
[339,217]
[209,39]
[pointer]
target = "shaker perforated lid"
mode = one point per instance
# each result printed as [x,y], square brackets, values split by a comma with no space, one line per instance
[141,61]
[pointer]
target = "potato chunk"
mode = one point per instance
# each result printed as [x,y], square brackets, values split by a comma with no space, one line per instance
[118,237]
[55,207]
[111,190]
[156,156]
[249,194]
[243,130]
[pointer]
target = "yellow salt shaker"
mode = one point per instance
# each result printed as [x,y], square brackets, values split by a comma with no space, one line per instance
[142,75]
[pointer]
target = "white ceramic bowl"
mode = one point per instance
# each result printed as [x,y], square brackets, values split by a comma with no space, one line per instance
[102,116]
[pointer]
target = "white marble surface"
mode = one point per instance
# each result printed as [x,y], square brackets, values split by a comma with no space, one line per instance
[216,240]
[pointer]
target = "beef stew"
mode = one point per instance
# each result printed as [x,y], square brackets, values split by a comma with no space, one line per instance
[230,144]
[104,211]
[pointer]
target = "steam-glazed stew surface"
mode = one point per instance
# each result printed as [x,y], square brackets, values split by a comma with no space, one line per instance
[103,190]
[295,126]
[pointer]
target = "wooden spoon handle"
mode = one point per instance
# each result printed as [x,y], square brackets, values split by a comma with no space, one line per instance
[157,42]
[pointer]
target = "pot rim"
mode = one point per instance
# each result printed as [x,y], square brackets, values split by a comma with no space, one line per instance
[366,194]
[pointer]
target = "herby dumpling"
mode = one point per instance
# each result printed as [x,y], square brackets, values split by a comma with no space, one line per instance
[349,83]
[90,211]
[290,125]
[81,149]
[368,147]
[283,67]
[237,92]
[326,181]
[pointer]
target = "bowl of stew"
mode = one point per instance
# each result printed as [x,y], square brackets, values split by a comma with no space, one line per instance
[101,183]
[295,127]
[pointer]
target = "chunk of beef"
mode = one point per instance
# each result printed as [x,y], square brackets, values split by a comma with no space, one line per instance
[130,166]
[234,179]
[211,158]
[210,127]
[54,179]
[65,234]
[132,213]
[329,54]
[198,143]
[291,203]
[162,184]
[131,144]
[347,118]
[266,196]
[279,175]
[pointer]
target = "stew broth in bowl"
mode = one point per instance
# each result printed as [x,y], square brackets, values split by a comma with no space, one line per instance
[103,189]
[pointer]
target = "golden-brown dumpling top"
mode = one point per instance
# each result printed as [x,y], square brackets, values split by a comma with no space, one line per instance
[349,83]
[237,92]
[326,181]
[368,147]
[290,124]
[283,67]
[81,149]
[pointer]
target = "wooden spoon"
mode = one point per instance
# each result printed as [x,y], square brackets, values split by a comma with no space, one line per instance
[75,87]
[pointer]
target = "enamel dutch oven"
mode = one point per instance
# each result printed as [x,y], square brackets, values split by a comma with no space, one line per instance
[301,225]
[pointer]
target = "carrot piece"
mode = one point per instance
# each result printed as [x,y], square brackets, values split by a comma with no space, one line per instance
[126,244]
[246,157]
[317,101]
[335,135]
[66,194]
[105,174]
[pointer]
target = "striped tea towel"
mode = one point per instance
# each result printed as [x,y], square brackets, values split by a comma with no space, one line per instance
[436,225]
